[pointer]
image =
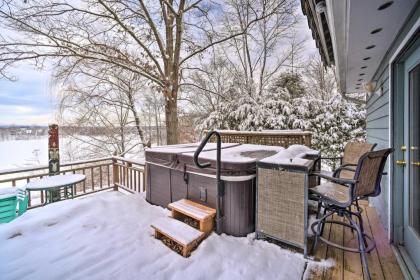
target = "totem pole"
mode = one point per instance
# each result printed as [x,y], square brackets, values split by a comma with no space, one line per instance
[53,158]
[53,150]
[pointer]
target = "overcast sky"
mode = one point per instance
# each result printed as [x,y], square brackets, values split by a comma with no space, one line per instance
[29,100]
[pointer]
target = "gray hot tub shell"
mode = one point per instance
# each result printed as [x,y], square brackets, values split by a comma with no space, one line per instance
[172,175]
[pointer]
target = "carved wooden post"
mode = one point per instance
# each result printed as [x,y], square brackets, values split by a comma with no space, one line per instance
[53,150]
[53,157]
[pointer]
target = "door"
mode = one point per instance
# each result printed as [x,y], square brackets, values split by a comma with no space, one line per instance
[411,186]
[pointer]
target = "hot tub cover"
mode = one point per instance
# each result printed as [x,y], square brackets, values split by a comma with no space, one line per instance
[236,159]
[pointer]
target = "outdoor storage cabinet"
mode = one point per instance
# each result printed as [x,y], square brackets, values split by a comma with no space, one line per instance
[282,196]
[281,205]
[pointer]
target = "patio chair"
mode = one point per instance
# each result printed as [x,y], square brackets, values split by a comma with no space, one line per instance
[338,194]
[12,201]
[353,151]
[8,208]
[23,199]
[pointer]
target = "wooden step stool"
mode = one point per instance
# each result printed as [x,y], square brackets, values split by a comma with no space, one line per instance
[185,236]
[202,214]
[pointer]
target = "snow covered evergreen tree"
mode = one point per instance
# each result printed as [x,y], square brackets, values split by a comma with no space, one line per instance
[332,123]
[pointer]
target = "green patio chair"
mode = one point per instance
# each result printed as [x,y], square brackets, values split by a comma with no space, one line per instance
[13,205]
[23,199]
[8,208]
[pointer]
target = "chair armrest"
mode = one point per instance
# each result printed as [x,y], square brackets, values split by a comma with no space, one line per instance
[349,164]
[330,158]
[319,159]
[340,181]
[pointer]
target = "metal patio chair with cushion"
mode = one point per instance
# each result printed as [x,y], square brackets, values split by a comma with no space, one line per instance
[338,194]
[353,151]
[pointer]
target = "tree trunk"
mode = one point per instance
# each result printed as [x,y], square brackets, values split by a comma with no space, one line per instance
[136,118]
[156,124]
[171,120]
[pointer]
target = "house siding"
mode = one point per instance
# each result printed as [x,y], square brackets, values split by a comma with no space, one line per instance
[378,116]
[377,128]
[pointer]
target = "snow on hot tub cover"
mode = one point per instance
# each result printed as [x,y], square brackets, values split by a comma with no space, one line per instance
[247,153]
[240,153]
[236,159]
[189,147]
[293,155]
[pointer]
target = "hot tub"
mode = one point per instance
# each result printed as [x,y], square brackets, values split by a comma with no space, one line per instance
[172,175]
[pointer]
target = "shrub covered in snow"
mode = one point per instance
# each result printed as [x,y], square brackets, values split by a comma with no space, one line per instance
[333,122]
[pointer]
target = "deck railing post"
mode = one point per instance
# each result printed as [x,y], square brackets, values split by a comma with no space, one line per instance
[143,183]
[129,172]
[115,174]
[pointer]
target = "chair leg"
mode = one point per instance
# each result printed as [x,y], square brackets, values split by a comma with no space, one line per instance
[318,212]
[320,223]
[359,217]
[318,230]
[323,224]
[318,215]
[362,247]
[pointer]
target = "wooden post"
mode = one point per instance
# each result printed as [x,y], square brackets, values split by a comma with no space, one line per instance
[129,176]
[53,150]
[53,158]
[115,173]
[144,178]
[308,140]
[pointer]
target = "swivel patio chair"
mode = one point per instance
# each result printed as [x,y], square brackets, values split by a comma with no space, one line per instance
[338,194]
[353,151]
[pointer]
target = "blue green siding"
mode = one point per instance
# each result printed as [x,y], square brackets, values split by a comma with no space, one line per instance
[377,128]
[378,115]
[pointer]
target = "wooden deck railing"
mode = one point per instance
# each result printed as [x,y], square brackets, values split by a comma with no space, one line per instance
[101,174]
[129,174]
[283,138]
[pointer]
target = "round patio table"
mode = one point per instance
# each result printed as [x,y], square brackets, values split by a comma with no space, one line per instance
[56,187]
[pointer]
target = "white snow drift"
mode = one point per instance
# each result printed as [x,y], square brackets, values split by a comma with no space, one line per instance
[108,236]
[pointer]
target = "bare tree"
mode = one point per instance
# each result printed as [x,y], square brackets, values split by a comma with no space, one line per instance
[154,39]
[320,81]
[210,84]
[246,64]
[105,98]
[152,108]
[262,50]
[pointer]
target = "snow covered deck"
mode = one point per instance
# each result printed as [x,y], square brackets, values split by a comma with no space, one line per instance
[108,236]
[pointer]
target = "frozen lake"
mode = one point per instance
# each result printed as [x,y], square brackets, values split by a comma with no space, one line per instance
[33,152]
[23,153]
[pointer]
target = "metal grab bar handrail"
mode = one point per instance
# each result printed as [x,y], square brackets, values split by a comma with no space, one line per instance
[220,185]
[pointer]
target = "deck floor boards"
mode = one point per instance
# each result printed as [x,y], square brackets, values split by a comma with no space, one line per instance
[382,261]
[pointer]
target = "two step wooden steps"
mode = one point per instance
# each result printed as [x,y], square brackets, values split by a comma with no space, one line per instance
[186,236]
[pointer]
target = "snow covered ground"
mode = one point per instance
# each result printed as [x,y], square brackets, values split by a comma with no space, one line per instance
[34,151]
[23,153]
[108,236]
